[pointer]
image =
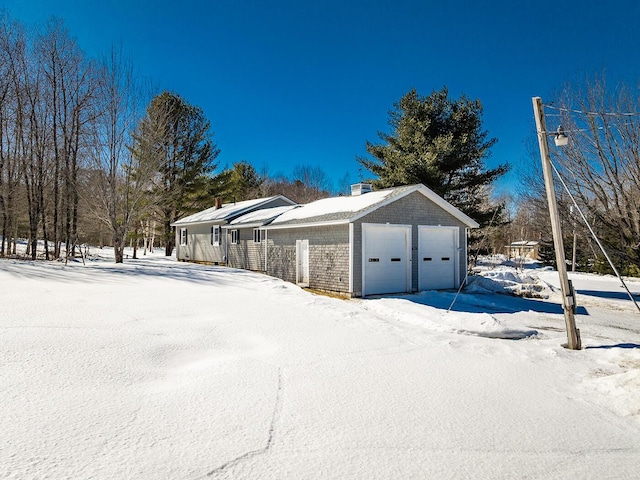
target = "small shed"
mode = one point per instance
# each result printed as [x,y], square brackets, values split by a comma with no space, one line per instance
[200,237]
[397,240]
[524,249]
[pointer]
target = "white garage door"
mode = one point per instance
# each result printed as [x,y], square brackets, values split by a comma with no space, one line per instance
[386,258]
[437,257]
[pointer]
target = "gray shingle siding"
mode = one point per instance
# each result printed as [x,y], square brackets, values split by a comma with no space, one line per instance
[414,209]
[331,260]
[328,255]
[246,254]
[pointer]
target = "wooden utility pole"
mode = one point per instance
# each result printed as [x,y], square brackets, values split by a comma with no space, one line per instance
[568,294]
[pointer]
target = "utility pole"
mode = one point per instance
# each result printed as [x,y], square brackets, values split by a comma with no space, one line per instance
[568,294]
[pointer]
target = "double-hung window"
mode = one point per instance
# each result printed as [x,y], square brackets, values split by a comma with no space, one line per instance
[215,235]
[235,237]
[183,236]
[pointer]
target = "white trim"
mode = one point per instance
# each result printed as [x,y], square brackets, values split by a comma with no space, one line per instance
[266,251]
[215,233]
[431,195]
[342,221]
[351,251]
[258,236]
[466,250]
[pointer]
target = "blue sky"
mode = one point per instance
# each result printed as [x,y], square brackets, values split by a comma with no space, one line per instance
[288,83]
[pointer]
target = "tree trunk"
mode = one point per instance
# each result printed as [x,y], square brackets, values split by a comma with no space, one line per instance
[169,238]
[118,248]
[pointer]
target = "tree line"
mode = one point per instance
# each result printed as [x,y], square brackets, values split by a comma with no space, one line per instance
[439,141]
[599,180]
[88,154]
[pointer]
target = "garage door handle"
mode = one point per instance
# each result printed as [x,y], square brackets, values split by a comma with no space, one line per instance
[445,259]
[427,259]
[374,259]
[396,259]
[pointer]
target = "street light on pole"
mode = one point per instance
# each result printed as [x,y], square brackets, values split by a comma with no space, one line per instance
[568,294]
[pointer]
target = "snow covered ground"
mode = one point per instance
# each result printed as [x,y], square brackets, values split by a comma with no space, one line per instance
[162,370]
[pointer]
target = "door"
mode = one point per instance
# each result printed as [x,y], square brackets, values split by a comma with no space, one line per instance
[302,262]
[386,258]
[437,257]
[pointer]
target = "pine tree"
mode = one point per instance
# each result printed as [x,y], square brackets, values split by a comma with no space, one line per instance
[439,142]
[244,182]
[174,137]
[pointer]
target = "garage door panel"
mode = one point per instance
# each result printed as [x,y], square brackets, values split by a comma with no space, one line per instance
[386,250]
[437,250]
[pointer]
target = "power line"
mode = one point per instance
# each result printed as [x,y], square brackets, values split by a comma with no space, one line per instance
[609,114]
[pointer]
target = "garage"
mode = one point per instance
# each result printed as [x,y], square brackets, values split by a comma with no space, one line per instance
[386,261]
[437,257]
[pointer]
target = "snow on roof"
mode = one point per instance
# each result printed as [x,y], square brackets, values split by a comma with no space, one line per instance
[350,208]
[262,216]
[222,214]
[524,243]
[334,208]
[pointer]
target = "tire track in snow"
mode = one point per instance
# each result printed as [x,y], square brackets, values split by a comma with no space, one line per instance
[270,436]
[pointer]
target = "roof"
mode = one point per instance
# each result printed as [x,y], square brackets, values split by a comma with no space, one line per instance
[336,210]
[260,217]
[228,211]
[524,243]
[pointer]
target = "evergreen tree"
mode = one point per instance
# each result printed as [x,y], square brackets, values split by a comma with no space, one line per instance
[439,142]
[174,137]
[244,182]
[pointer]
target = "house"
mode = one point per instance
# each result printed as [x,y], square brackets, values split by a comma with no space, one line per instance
[524,249]
[401,239]
[397,240]
[200,237]
[247,248]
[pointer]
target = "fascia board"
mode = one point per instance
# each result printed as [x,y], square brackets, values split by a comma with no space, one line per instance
[431,195]
[235,213]
[199,222]
[343,221]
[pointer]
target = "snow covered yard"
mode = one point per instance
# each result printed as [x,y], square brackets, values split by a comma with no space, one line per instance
[162,370]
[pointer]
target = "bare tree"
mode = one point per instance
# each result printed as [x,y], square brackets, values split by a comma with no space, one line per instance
[68,87]
[9,171]
[601,164]
[120,182]
[30,132]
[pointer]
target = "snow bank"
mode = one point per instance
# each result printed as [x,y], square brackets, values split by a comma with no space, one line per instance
[416,310]
[507,281]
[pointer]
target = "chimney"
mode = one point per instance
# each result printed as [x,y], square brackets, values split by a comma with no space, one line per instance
[218,203]
[360,189]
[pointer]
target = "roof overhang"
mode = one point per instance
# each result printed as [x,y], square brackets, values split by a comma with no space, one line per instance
[200,222]
[342,221]
[431,195]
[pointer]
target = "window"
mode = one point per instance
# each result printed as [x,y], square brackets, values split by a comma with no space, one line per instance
[215,235]
[183,236]
[235,236]
[258,235]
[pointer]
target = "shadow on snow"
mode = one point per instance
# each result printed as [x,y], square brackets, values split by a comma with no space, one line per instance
[103,272]
[619,345]
[480,303]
